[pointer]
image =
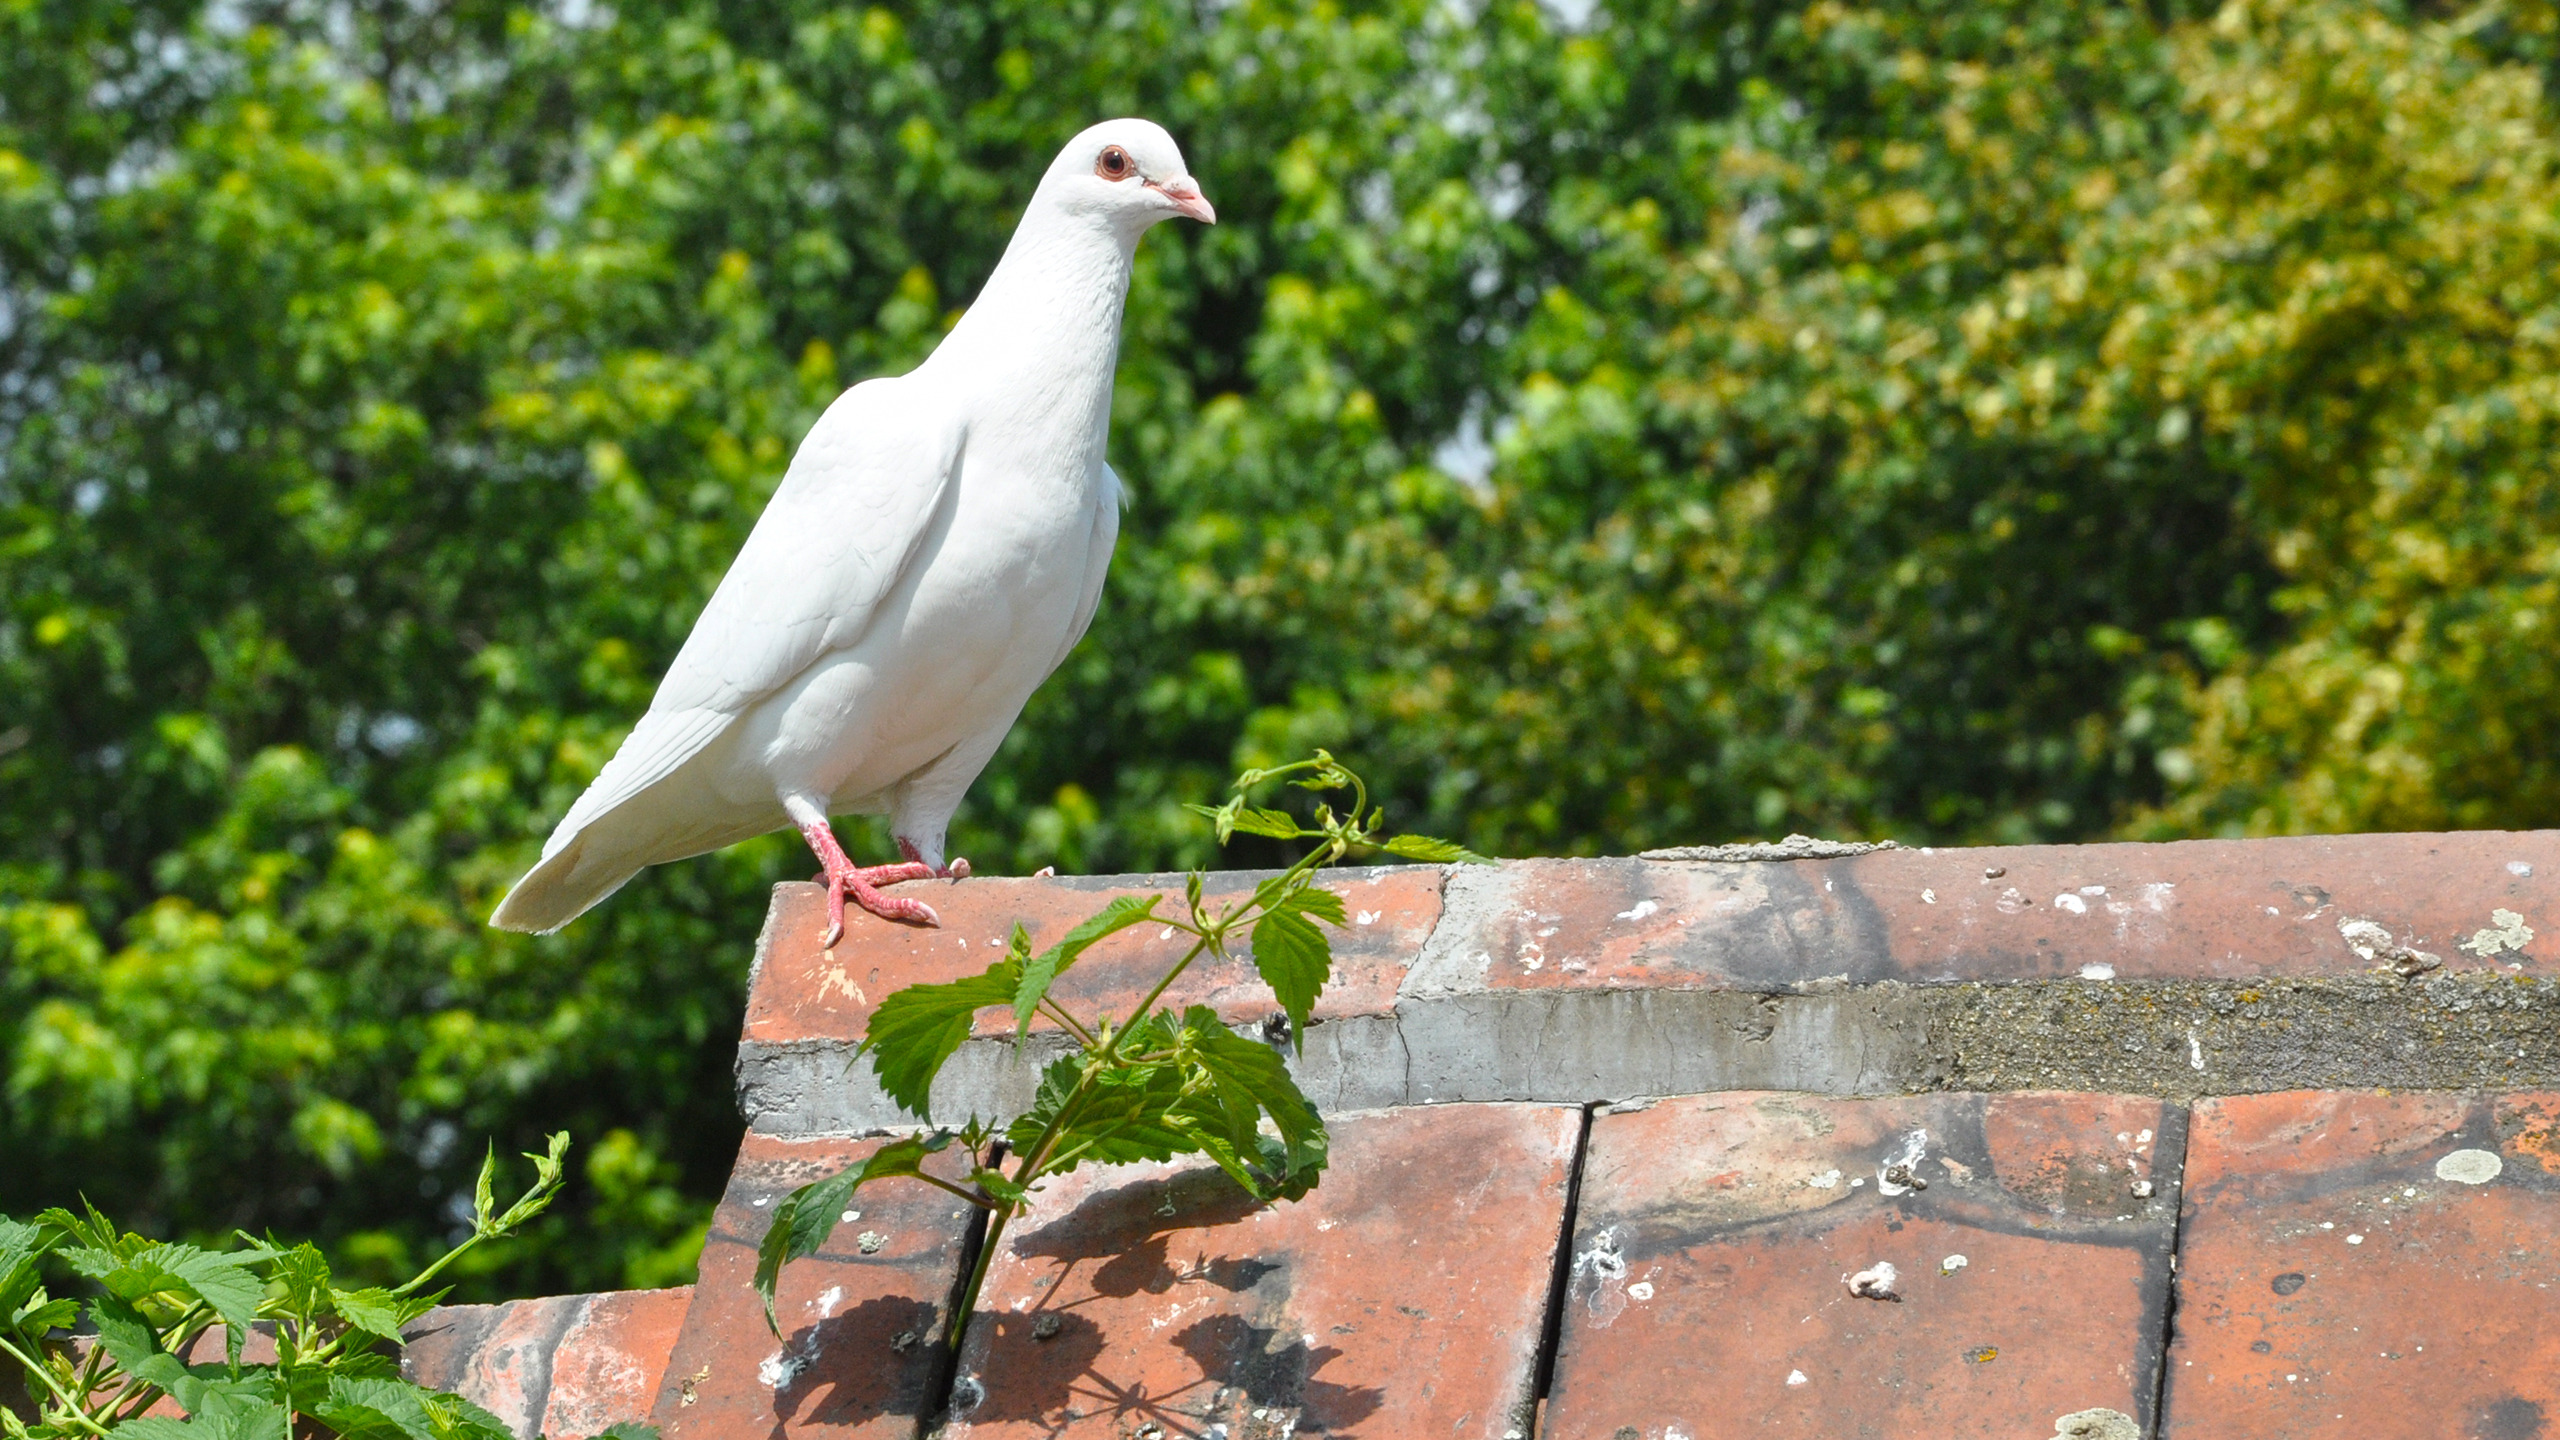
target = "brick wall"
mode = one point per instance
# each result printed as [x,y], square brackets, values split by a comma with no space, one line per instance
[2216,1138]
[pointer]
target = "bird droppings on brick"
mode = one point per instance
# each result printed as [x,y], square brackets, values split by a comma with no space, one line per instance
[2470,1167]
[2096,1425]
[1879,1282]
[2507,932]
[1952,1264]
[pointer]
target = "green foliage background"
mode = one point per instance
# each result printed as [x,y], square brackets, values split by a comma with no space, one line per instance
[1996,420]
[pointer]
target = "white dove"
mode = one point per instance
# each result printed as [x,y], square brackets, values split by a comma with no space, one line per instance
[935,550]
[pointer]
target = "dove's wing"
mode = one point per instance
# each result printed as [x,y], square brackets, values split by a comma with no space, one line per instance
[1106,535]
[847,522]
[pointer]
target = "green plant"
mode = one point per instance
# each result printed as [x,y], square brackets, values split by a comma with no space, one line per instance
[1152,1087]
[156,1299]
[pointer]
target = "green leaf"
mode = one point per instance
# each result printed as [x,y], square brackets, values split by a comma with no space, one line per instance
[1249,1077]
[1277,824]
[161,1427]
[134,1345]
[362,1409]
[915,1030]
[1294,957]
[233,1411]
[1125,1115]
[385,1407]
[484,1194]
[373,1310]
[300,1277]
[628,1430]
[995,1183]
[1437,852]
[42,1314]
[808,1215]
[1040,973]
[224,1282]
[21,1246]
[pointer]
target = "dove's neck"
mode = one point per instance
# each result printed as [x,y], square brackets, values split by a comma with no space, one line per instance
[1035,354]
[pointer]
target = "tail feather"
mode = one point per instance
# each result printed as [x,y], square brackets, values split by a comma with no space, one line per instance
[560,889]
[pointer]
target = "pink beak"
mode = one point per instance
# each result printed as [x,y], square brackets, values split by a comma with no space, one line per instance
[1185,194]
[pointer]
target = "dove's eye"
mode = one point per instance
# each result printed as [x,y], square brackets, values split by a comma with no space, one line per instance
[1114,164]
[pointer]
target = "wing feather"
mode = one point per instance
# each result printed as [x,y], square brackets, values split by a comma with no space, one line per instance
[842,529]
[840,532]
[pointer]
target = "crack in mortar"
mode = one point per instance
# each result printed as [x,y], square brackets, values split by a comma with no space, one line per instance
[2471,1030]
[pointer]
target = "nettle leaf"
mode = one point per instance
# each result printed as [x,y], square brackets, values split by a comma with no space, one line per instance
[627,1430]
[1293,955]
[223,1282]
[134,1345]
[1437,852]
[242,1415]
[370,1409]
[916,1029]
[1040,973]
[1126,1114]
[1249,1080]
[1278,824]
[91,1229]
[21,1247]
[301,1275]
[373,1310]
[808,1215]
[997,1185]
[42,1314]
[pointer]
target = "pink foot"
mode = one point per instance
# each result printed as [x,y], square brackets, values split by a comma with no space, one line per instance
[845,879]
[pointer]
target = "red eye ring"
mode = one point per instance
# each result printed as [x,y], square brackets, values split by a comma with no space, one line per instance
[1114,164]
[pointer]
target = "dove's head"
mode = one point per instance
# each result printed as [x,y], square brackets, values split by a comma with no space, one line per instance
[1126,174]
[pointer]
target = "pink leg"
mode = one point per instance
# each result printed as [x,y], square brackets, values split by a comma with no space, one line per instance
[844,878]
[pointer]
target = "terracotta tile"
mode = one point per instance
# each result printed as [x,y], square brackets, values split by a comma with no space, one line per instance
[1715,1234]
[1403,1298]
[2369,1266]
[496,1356]
[802,992]
[609,1362]
[2188,910]
[860,1351]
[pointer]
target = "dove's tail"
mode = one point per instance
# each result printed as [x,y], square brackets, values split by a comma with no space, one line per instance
[639,812]
[567,884]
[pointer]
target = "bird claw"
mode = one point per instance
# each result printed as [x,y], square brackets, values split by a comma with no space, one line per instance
[862,886]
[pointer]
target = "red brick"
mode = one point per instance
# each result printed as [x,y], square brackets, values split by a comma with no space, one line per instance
[1404,1297]
[496,1356]
[1714,1234]
[2332,1284]
[804,992]
[2188,910]
[608,1365]
[861,1332]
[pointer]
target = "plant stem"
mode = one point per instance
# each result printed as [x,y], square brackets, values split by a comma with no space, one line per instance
[977,1277]
[77,1412]
[1035,1160]
[981,1201]
[1054,1011]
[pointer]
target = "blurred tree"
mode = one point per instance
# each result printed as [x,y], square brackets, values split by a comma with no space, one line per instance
[2023,419]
